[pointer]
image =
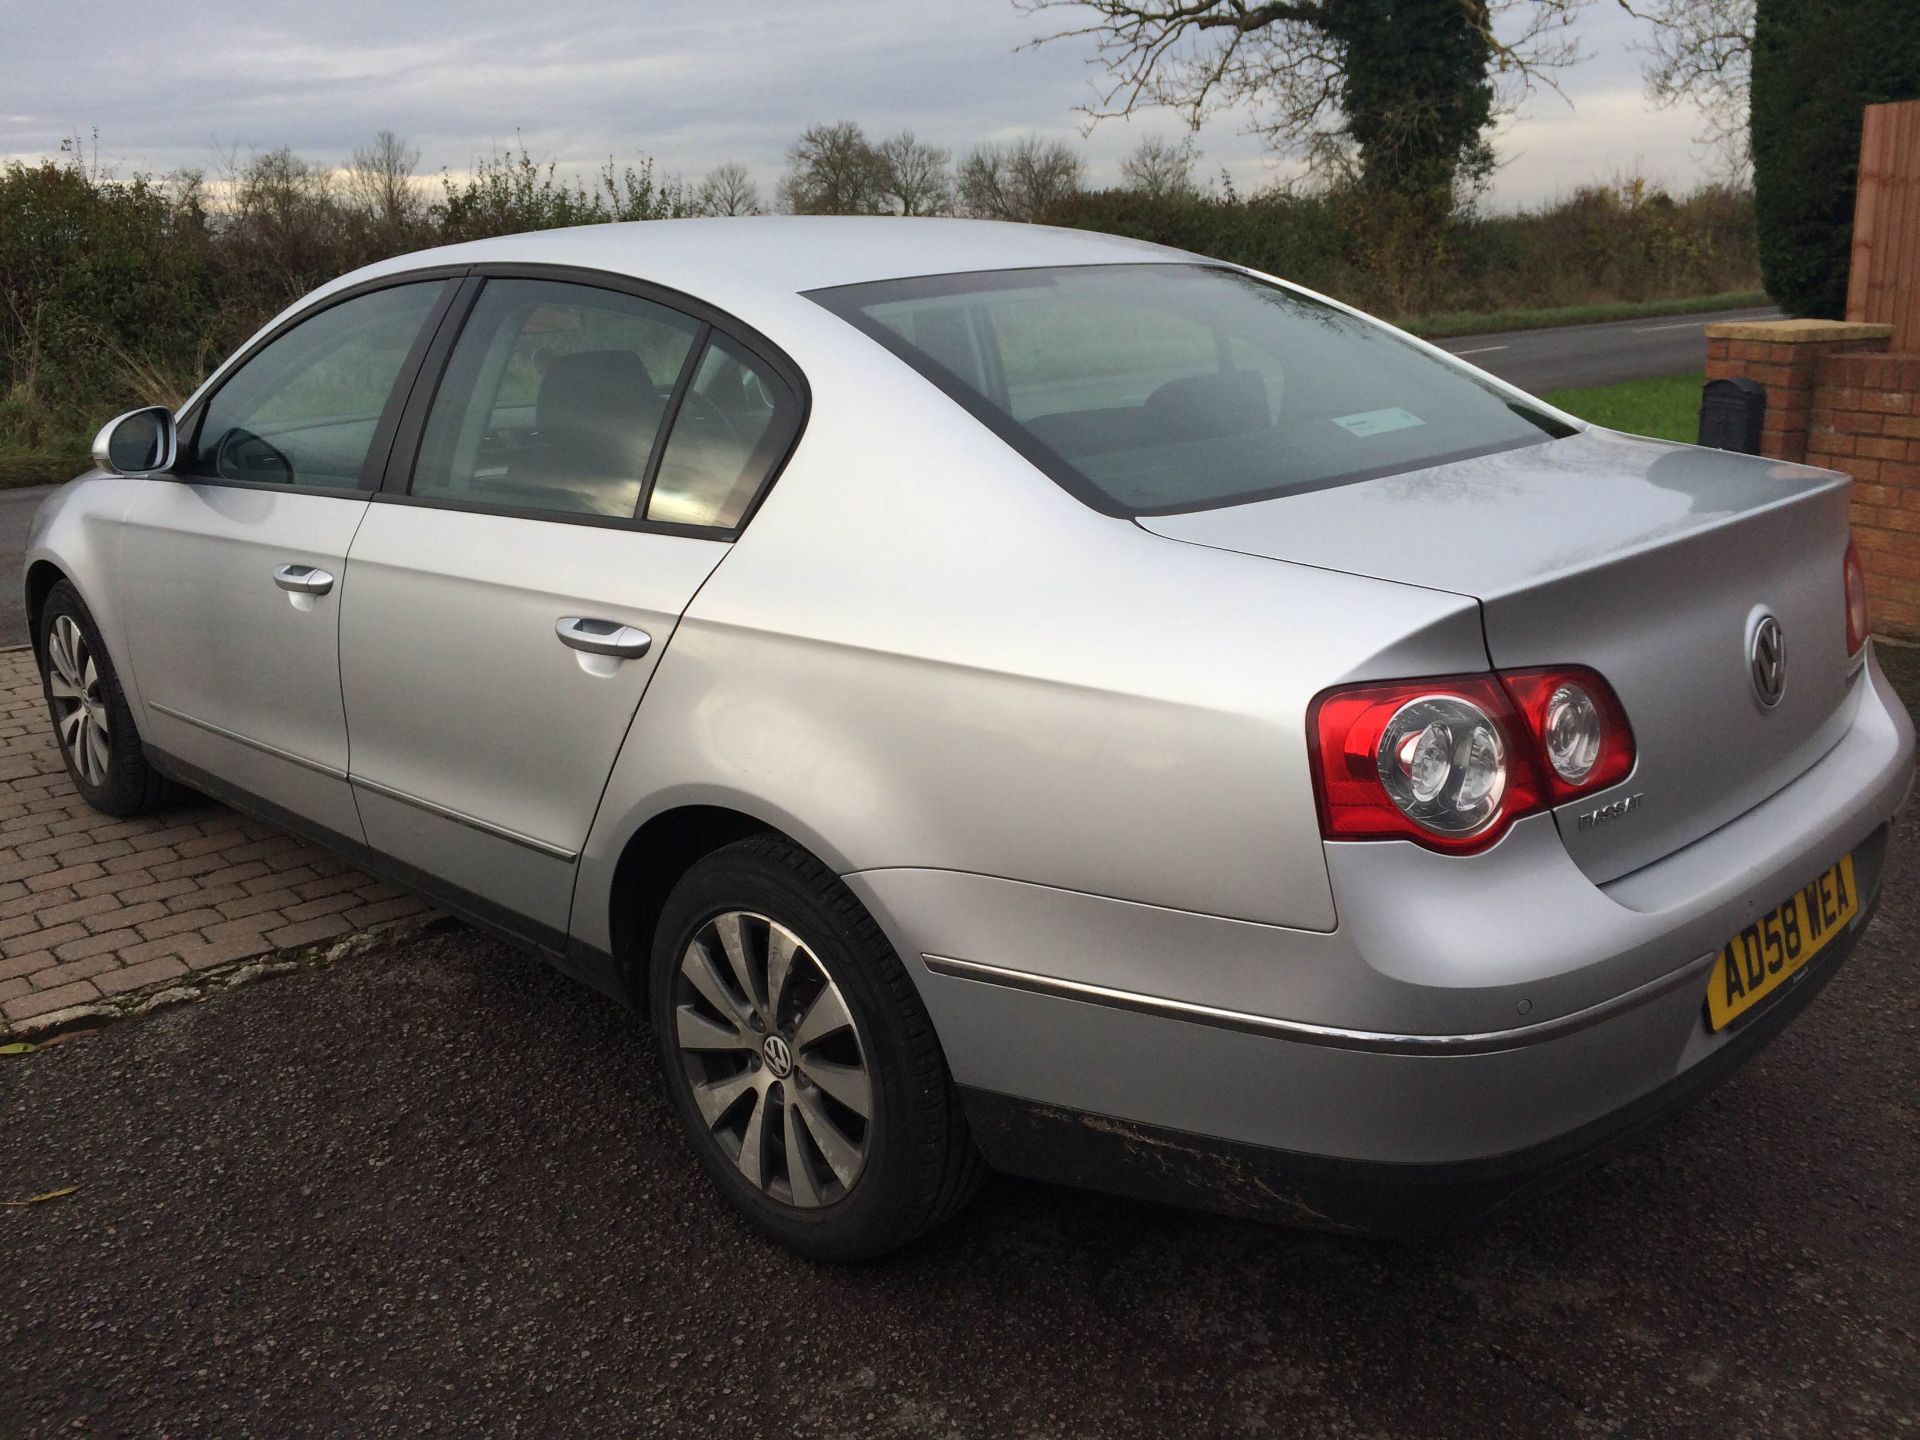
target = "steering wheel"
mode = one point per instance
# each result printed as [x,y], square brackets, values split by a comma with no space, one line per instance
[243,455]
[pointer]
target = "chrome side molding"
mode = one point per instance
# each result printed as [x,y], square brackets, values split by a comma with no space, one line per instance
[318,767]
[472,822]
[1300,1031]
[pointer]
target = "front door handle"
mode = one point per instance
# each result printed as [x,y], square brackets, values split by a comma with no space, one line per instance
[602,637]
[303,580]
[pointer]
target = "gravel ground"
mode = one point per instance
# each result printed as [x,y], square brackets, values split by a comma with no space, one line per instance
[438,1191]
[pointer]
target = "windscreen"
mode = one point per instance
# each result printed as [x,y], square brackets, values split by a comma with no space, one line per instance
[1146,389]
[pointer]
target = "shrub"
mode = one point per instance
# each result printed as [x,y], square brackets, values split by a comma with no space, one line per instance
[516,193]
[1624,241]
[122,292]
[92,274]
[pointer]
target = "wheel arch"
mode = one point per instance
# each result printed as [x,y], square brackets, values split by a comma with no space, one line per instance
[653,860]
[42,576]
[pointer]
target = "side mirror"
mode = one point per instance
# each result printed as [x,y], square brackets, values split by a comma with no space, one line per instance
[140,442]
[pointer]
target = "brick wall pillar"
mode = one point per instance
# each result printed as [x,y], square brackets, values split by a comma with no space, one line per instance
[1781,355]
[1866,421]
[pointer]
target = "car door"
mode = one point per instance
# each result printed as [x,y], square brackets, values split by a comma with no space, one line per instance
[551,509]
[232,569]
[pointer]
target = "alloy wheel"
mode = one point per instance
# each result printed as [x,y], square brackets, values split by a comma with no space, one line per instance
[775,1059]
[79,708]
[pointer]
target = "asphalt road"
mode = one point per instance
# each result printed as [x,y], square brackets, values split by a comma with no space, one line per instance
[1539,360]
[438,1191]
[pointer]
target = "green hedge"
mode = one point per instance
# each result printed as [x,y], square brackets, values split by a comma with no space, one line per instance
[117,293]
[1816,65]
[1628,242]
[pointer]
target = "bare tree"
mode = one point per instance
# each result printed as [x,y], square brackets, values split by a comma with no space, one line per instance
[1702,54]
[914,177]
[379,183]
[1161,169]
[833,171]
[1410,88]
[1027,180]
[280,188]
[728,190]
[288,213]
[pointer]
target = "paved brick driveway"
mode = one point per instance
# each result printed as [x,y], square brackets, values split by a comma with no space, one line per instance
[92,907]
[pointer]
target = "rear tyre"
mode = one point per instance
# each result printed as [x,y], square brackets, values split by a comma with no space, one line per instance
[91,720]
[800,1059]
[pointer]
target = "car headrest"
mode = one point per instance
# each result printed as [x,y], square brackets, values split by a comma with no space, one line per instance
[599,404]
[1200,407]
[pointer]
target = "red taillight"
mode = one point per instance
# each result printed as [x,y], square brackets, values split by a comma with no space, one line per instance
[1856,590]
[1477,753]
[1534,694]
[1347,728]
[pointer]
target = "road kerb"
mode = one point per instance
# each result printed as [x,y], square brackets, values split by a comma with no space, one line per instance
[205,984]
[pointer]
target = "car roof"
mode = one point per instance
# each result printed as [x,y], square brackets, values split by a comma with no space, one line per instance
[735,261]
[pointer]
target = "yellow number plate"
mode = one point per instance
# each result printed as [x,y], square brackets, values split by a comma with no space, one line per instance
[1762,957]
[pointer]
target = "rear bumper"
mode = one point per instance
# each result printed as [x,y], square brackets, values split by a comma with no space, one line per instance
[1147,1162]
[1471,1030]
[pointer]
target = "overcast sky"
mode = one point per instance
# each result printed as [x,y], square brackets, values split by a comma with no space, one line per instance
[168,85]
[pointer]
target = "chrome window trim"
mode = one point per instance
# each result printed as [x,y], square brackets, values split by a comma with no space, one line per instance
[555,517]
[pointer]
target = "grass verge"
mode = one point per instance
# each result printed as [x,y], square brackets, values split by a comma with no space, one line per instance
[1492,322]
[1667,408]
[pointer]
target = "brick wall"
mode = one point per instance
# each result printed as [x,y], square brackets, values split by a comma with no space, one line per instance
[1782,355]
[1866,421]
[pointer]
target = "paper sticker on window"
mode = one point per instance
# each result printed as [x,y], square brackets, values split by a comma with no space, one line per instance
[1377,422]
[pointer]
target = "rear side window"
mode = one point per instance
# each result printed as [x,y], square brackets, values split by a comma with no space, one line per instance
[302,411]
[555,398]
[1146,389]
[734,424]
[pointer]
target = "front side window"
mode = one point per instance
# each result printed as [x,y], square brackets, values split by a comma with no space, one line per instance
[303,410]
[554,399]
[1146,389]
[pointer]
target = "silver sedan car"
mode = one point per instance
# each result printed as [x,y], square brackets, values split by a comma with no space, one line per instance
[1004,697]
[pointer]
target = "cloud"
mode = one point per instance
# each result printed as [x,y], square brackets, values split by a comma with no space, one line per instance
[579,80]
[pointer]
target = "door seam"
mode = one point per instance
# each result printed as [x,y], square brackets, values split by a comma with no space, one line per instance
[626,736]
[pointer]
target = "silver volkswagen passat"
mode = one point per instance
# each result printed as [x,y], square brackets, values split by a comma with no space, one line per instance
[1005,697]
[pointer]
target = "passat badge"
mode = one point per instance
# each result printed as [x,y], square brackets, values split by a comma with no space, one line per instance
[1612,810]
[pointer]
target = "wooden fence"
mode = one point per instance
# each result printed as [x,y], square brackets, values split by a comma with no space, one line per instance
[1884,286]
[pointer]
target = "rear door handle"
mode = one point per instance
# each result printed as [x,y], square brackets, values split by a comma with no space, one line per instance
[303,580]
[602,637]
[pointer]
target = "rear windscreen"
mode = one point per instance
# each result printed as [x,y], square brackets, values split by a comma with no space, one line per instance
[1146,389]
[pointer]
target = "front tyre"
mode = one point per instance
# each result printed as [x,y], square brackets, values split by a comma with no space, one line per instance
[91,720]
[800,1059]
